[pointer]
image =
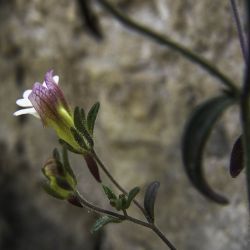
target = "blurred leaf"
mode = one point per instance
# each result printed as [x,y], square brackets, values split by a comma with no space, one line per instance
[149,199]
[131,195]
[51,192]
[196,133]
[56,154]
[66,164]
[91,118]
[237,158]
[93,168]
[102,221]
[78,121]
[109,193]
[74,201]
[90,18]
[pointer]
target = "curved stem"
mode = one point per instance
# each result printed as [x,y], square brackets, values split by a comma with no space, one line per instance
[239,29]
[161,39]
[151,226]
[112,179]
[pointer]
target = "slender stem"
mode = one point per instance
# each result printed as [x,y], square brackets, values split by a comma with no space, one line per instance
[239,29]
[112,179]
[151,226]
[245,110]
[163,40]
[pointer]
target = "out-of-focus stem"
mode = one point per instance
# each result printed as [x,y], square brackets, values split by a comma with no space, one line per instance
[163,40]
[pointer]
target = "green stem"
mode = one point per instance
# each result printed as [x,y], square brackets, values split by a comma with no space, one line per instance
[113,180]
[151,226]
[163,40]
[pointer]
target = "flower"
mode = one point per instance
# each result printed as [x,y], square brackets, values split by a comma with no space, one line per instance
[46,101]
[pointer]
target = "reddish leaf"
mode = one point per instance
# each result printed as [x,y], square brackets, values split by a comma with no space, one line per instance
[237,158]
[93,168]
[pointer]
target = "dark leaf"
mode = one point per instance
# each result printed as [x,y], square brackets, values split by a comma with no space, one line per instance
[66,163]
[91,117]
[56,155]
[109,193]
[90,19]
[63,183]
[74,201]
[149,199]
[237,158]
[93,168]
[131,195]
[102,221]
[195,137]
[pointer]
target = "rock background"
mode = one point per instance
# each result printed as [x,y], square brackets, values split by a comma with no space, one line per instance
[146,92]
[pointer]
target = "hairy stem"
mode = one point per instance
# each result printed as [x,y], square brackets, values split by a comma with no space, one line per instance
[151,226]
[112,179]
[163,40]
[239,29]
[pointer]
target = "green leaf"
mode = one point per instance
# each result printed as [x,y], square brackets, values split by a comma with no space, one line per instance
[56,155]
[91,117]
[78,138]
[149,199]
[102,221]
[66,163]
[195,136]
[78,122]
[131,195]
[109,193]
[51,192]
[68,146]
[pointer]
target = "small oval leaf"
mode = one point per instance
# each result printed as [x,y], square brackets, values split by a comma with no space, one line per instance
[102,221]
[195,136]
[109,193]
[149,199]
[237,158]
[131,195]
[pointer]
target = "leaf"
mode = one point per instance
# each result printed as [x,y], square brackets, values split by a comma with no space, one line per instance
[237,158]
[78,122]
[91,117]
[78,138]
[131,195]
[149,199]
[102,221]
[56,155]
[74,201]
[90,19]
[196,133]
[93,168]
[68,146]
[51,192]
[66,163]
[109,193]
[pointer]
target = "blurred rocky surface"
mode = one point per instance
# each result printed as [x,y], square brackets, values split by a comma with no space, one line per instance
[146,92]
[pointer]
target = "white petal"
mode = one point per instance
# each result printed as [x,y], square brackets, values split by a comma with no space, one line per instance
[24,103]
[26,93]
[56,79]
[31,111]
